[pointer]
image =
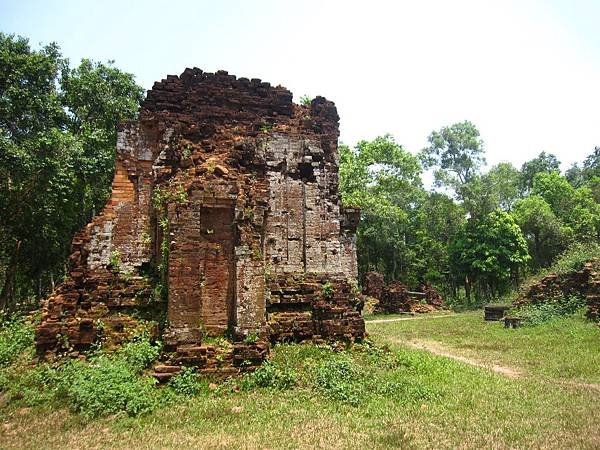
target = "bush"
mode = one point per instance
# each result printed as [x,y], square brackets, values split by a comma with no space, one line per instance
[106,386]
[340,378]
[16,336]
[575,257]
[538,313]
[139,353]
[111,384]
[271,375]
[186,382]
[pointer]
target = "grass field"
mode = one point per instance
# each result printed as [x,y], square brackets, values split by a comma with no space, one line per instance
[367,397]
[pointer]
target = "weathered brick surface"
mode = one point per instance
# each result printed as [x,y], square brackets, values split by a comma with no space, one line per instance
[228,193]
[373,284]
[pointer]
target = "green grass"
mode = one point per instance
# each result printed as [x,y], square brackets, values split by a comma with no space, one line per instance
[369,317]
[565,348]
[365,397]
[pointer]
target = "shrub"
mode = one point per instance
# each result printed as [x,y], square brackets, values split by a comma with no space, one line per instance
[538,313]
[575,257]
[327,290]
[186,382]
[111,384]
[31,385]
[106,386]
[340,378]
[16,336]
[305,100]
[139,353]
[251,338]
[271,375]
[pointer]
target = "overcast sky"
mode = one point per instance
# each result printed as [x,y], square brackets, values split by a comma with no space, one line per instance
[527,73]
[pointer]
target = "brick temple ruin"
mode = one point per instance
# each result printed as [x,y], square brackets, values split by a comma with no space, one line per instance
[225,213]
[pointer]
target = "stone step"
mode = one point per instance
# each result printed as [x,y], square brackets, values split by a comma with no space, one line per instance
[163,377]
[167,369]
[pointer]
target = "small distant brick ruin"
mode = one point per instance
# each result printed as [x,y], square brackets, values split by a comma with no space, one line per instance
[395,297]
[584,283]
[225,216]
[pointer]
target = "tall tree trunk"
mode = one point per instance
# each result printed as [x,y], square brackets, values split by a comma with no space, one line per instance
[9,280]
[468,290]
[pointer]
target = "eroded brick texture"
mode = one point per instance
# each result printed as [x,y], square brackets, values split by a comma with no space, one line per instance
[226,195]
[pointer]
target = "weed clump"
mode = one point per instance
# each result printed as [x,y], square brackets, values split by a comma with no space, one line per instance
[111,384]
[539,313]
[16,336]
[106,386]
[340,378]
[186,383]
[272,376]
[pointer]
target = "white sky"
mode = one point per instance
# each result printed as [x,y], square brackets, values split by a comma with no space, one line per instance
[527,73]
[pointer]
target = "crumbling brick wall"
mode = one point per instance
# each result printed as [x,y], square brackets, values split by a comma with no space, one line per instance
[225,209]
[583,283]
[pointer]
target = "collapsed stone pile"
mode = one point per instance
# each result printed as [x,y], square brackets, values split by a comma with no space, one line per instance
[373,284]
[396,298]
[432,296]
[225,217]
[583,283]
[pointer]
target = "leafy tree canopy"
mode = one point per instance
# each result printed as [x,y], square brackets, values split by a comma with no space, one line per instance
[384,180]
[546,235]
[57,144]
[543,163]
[490,251]
[496,189]
[456,152]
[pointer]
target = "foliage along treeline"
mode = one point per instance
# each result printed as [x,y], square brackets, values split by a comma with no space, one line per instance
[57,151]
[481,231]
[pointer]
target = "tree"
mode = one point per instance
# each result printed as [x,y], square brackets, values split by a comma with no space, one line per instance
[497,189]
[457,154]
[576,208]
[556,191]
[583,175]
[438,220]
[57,141]
[543,163]
[384,180]
[591,165]
[546,235]
[575,175]
[98,96]
[594,185]
[489,253]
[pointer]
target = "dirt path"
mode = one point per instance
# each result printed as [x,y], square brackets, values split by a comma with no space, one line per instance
[424,317]
[510,372]
[437,349]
